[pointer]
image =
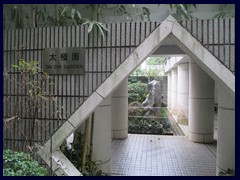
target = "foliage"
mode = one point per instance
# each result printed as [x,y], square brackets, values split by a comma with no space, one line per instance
[145,13]
[71,13]
[136,109]
[153,67]
[228,172]
[226,11]
[99,25]
[153,71]
[139,72]
[163,112]
[132,79]
[37,16]
[122,10]
[183,9]
[137,92]
[21,164]
[146,125]
[125,9]
[141,124]
[66,15]
[75,156]
[30,82]
[26,67]
[155,60]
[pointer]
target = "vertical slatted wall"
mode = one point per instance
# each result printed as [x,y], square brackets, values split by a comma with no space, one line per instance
[217,35]
[65,92]
[102,56]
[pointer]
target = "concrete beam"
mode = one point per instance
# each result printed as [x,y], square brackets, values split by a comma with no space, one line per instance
[168,28]
[203,58]
[146,48]
[169,50]
[59,163]
[73,123]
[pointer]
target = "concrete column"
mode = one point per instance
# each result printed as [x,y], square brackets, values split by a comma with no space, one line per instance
[120,111]
[102,135]
[183,93]
[226,131]
[169,90]
[174,85]
[201,105]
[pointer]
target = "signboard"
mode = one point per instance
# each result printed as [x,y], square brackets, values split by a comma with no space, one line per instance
[64,60]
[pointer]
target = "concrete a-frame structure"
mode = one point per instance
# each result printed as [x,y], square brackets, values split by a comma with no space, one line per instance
[169,28]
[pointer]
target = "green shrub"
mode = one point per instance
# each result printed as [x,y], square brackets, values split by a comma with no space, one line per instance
[75,156]
[136,109]
[137,92]
[228,172]
[146,125]
[21,164]
[163,112]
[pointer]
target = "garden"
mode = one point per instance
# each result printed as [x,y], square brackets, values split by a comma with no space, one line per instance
[139,121]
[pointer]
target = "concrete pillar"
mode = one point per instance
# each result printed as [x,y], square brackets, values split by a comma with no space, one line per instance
[169,90]
[183,93]
[102,136]
[120,111]
[226,131]
[174,84]
[201,105]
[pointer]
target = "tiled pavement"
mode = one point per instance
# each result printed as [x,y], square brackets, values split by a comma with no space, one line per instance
[157,155]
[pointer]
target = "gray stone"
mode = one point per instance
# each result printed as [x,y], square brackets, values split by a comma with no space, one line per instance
[154,98]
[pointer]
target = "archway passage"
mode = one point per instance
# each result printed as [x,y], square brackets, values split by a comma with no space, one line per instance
[169,28]
[110,80]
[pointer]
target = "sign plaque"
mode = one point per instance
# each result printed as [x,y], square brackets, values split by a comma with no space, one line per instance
[64,60]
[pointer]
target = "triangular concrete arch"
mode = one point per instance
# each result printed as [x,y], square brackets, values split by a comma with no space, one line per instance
[168,28]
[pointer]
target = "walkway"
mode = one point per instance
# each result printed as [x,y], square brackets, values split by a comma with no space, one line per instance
[157,155]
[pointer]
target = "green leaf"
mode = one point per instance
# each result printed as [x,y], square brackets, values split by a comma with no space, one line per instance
[103,26]
[86,22]
[78,15]
[73,13]
[101,31]
[15,66]
[21,164]
[90,27]
[146,13]
[64,11]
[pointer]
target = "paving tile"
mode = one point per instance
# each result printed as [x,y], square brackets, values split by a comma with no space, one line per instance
[163,156]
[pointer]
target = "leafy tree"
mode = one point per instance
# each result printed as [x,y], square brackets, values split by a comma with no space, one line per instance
[35,15]
[30,16]
[137,92]
[226,11]
[155,60]
[35,94]
[183,10]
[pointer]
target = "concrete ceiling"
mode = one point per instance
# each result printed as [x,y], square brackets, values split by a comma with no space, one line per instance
[168,48]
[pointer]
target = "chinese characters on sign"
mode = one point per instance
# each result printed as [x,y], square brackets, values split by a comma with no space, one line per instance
[64,61]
